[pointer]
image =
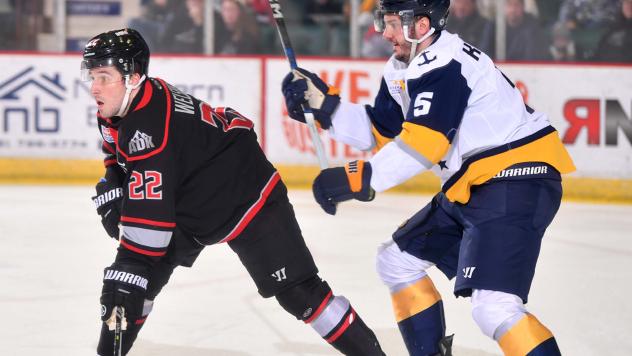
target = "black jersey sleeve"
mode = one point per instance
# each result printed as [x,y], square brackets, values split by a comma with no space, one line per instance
[148,216]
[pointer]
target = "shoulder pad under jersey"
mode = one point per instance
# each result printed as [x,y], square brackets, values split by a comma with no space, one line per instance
[438,55]
[145,130]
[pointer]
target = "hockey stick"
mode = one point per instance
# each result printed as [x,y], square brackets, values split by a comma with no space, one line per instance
[291,57]
[118,331]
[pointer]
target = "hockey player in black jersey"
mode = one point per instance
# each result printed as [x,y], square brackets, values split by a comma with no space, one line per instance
[181,175]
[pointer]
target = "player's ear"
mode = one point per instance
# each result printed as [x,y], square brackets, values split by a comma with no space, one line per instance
[422,25]
[134,78]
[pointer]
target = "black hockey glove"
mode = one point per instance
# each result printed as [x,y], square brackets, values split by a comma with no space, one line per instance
[124,285]
[301,86]
[108,201]
[334,185]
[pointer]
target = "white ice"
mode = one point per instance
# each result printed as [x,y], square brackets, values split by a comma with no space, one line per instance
[53,250]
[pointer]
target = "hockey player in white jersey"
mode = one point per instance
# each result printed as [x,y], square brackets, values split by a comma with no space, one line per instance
[444,106]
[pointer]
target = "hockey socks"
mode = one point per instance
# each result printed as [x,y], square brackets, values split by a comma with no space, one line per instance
[419,313]
[339,324]
[528,337]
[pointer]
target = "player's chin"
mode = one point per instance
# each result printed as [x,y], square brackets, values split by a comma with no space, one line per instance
[402,57]
[105,113]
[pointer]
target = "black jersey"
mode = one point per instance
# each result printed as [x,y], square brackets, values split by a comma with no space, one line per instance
[187,165]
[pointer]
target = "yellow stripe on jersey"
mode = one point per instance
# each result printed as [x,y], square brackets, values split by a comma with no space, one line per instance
[523,337]
[414,299]
[380,141]
[548,149]
[431,144]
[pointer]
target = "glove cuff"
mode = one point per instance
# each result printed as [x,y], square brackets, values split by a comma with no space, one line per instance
[106,198]
[128,275]
[359,178]
[330,104]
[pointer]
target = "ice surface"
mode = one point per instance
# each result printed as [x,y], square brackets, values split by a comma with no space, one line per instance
[53,250]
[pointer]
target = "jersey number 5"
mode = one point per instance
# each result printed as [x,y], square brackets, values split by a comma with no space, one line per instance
[145,187]
[422,103]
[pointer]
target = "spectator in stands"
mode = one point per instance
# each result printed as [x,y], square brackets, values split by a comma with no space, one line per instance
[616,44]
[548,11]
[238,33]
[316,8]
[487,8]
[588,13]
[525,39]
[152,23]
[562,48]
[467,22]
[184,33]
[7,25]
[588,20]
[374,45]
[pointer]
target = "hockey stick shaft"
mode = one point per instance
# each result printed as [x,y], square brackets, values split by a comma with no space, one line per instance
[291,57]
[118,331]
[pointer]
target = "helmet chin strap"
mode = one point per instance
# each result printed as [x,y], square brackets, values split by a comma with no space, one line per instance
[415,42]
[128,91]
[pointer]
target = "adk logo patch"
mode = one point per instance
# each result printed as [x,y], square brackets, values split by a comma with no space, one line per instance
[141,141]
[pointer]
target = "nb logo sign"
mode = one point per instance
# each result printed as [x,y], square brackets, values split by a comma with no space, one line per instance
[279,275]
[30,99]
[468,271]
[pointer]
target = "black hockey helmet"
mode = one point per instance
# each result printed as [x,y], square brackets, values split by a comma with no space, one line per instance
[124,49]
[436,10]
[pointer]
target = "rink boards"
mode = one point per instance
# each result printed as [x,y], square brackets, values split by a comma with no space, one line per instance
[48,126]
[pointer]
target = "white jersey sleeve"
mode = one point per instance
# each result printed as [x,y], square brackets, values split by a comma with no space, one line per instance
[464,118]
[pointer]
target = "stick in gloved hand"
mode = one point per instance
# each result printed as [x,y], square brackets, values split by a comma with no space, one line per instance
[289,53]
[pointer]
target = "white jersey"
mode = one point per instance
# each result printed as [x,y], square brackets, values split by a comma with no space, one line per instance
[452,111]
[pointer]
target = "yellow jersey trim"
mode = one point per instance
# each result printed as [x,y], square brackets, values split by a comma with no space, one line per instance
[543,146]
[431,144]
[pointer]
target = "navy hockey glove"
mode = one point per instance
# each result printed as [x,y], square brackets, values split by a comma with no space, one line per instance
[108,201]
[124,285]
[301,86]
[334,185]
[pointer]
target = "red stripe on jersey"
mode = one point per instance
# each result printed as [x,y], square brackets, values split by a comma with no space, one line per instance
[166,135]
[254,209]
[343,327]
[107,119]
[149,90]
[141,251]
[221,112]
[109,148]
[320,308]
[109,162]
[148,222]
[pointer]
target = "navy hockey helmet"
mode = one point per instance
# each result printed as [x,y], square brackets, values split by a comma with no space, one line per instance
[435,10]
[124,49]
